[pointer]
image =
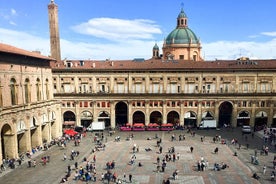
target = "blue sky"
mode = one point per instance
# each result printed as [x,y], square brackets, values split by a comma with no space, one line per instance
[125,29]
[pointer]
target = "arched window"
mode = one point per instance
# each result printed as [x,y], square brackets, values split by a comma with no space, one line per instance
[27,91]
[38,90]
[13,91]
[47,89]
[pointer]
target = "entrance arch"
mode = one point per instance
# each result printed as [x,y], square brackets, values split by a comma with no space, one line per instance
[86,118]
[156,117]
[260,120]
[21,136]
[104,116]
[243,118]
[35,139]
[7,143]
[190,119]
[173,118]
[121,114]
[225,113]
[138,117]
[274,121]
[69,119]
[207,115]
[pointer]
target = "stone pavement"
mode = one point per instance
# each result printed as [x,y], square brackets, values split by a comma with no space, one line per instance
[240,169]
[121,152]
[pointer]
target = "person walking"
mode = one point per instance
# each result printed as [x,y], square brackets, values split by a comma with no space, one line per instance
[130,178]
[191,149]
[264,169]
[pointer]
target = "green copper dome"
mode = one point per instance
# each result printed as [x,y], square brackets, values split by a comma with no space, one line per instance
[182,35]
[155,47]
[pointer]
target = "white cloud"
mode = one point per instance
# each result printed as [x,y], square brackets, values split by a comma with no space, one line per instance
[25,41]
[236,49]
[13,12]
[12,23]
[269,33]
[129,49]
[118,29]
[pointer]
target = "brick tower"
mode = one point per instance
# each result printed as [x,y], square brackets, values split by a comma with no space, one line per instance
[54,31]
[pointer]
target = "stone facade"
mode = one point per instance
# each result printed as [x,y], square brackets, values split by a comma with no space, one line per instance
[243,94]
[29,115]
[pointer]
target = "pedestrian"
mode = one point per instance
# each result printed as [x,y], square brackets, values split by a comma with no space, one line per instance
[160,149]
[64,156]
[191,149]
[178,156]
[216,150]
[130,178]
[124,177]
[264,169]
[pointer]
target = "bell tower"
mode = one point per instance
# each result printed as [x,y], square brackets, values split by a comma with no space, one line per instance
[54,30]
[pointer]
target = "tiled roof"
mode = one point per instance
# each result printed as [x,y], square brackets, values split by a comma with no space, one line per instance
[159,64]
[14,50]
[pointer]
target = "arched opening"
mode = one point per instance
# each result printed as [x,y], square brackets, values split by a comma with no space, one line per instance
[86,118]
[21,137]
[156,117]
[121,114]
[138,117]
[243,118]
[45,128]
[260,120]
[69,119]
[104,116]
[38,89]
[34,132]
[190,119]
[207,116]
[273,124]
[27,91]
[225,113]
[54,124]
[13,91]
[173,118]
[7,143]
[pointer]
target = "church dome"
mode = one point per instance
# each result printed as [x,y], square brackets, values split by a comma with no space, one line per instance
[182,35]
[155,47]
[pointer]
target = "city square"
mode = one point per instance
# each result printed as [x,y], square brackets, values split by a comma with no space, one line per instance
[172,115]
[240,169]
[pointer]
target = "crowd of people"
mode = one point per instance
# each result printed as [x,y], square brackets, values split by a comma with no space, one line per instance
[85,170]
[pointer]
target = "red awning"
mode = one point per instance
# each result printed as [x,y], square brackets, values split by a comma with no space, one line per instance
[70,132]
[138,125]
[167,125]
[153,125]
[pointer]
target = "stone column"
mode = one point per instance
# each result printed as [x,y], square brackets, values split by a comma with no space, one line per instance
[130,119]
[234,114]
[252,116]
[77,112]
[164,112]
[199,112]
[217,112]
[112,114]
[181,117]
[147,115]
